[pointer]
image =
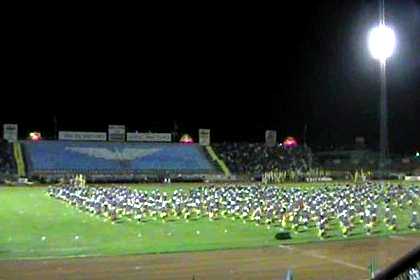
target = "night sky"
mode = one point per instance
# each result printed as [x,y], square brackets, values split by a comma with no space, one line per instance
[238,70]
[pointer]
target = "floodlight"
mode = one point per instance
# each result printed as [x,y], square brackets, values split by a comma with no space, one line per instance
[381,42]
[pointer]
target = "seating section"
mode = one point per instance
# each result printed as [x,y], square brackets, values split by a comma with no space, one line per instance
[107,157]
[256,158]
[7,161]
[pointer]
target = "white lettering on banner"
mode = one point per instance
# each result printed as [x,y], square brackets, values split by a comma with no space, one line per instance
[116,129]
[319,179]
[149,137]
[116,133]
[81,136]
[412,178]
[204,137]
[270,138]
[116,137]
[10,132]
[359,140]
[405,160]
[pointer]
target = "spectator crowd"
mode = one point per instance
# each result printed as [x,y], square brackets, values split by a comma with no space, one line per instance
[257,158]
[7,161]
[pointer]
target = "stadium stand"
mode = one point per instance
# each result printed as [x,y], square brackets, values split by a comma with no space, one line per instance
[348,159]
[257,158]
[20,164]
[112,158]
[218,161]
[7,162]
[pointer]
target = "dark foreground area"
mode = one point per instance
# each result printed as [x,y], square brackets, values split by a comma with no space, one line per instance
[326,260]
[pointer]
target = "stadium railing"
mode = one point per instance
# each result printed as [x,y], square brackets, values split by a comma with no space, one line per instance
[407,267]
[218,161]
[17,151]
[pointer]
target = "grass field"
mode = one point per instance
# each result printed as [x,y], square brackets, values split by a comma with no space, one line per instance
[36,226]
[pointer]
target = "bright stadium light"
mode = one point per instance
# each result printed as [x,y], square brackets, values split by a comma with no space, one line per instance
[381,42]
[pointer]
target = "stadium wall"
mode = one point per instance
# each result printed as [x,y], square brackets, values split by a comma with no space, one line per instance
[128,161]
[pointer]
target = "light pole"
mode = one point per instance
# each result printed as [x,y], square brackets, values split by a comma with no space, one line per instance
[381,42]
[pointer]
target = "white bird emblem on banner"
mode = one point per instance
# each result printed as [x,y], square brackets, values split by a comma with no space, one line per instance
[104,153]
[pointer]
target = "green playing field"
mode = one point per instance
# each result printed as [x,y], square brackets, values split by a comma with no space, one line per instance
[33,225]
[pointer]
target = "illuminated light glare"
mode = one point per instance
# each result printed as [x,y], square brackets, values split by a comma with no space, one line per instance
[186,139]
[290,142]
[381,42]
[35,136]
[418,154]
